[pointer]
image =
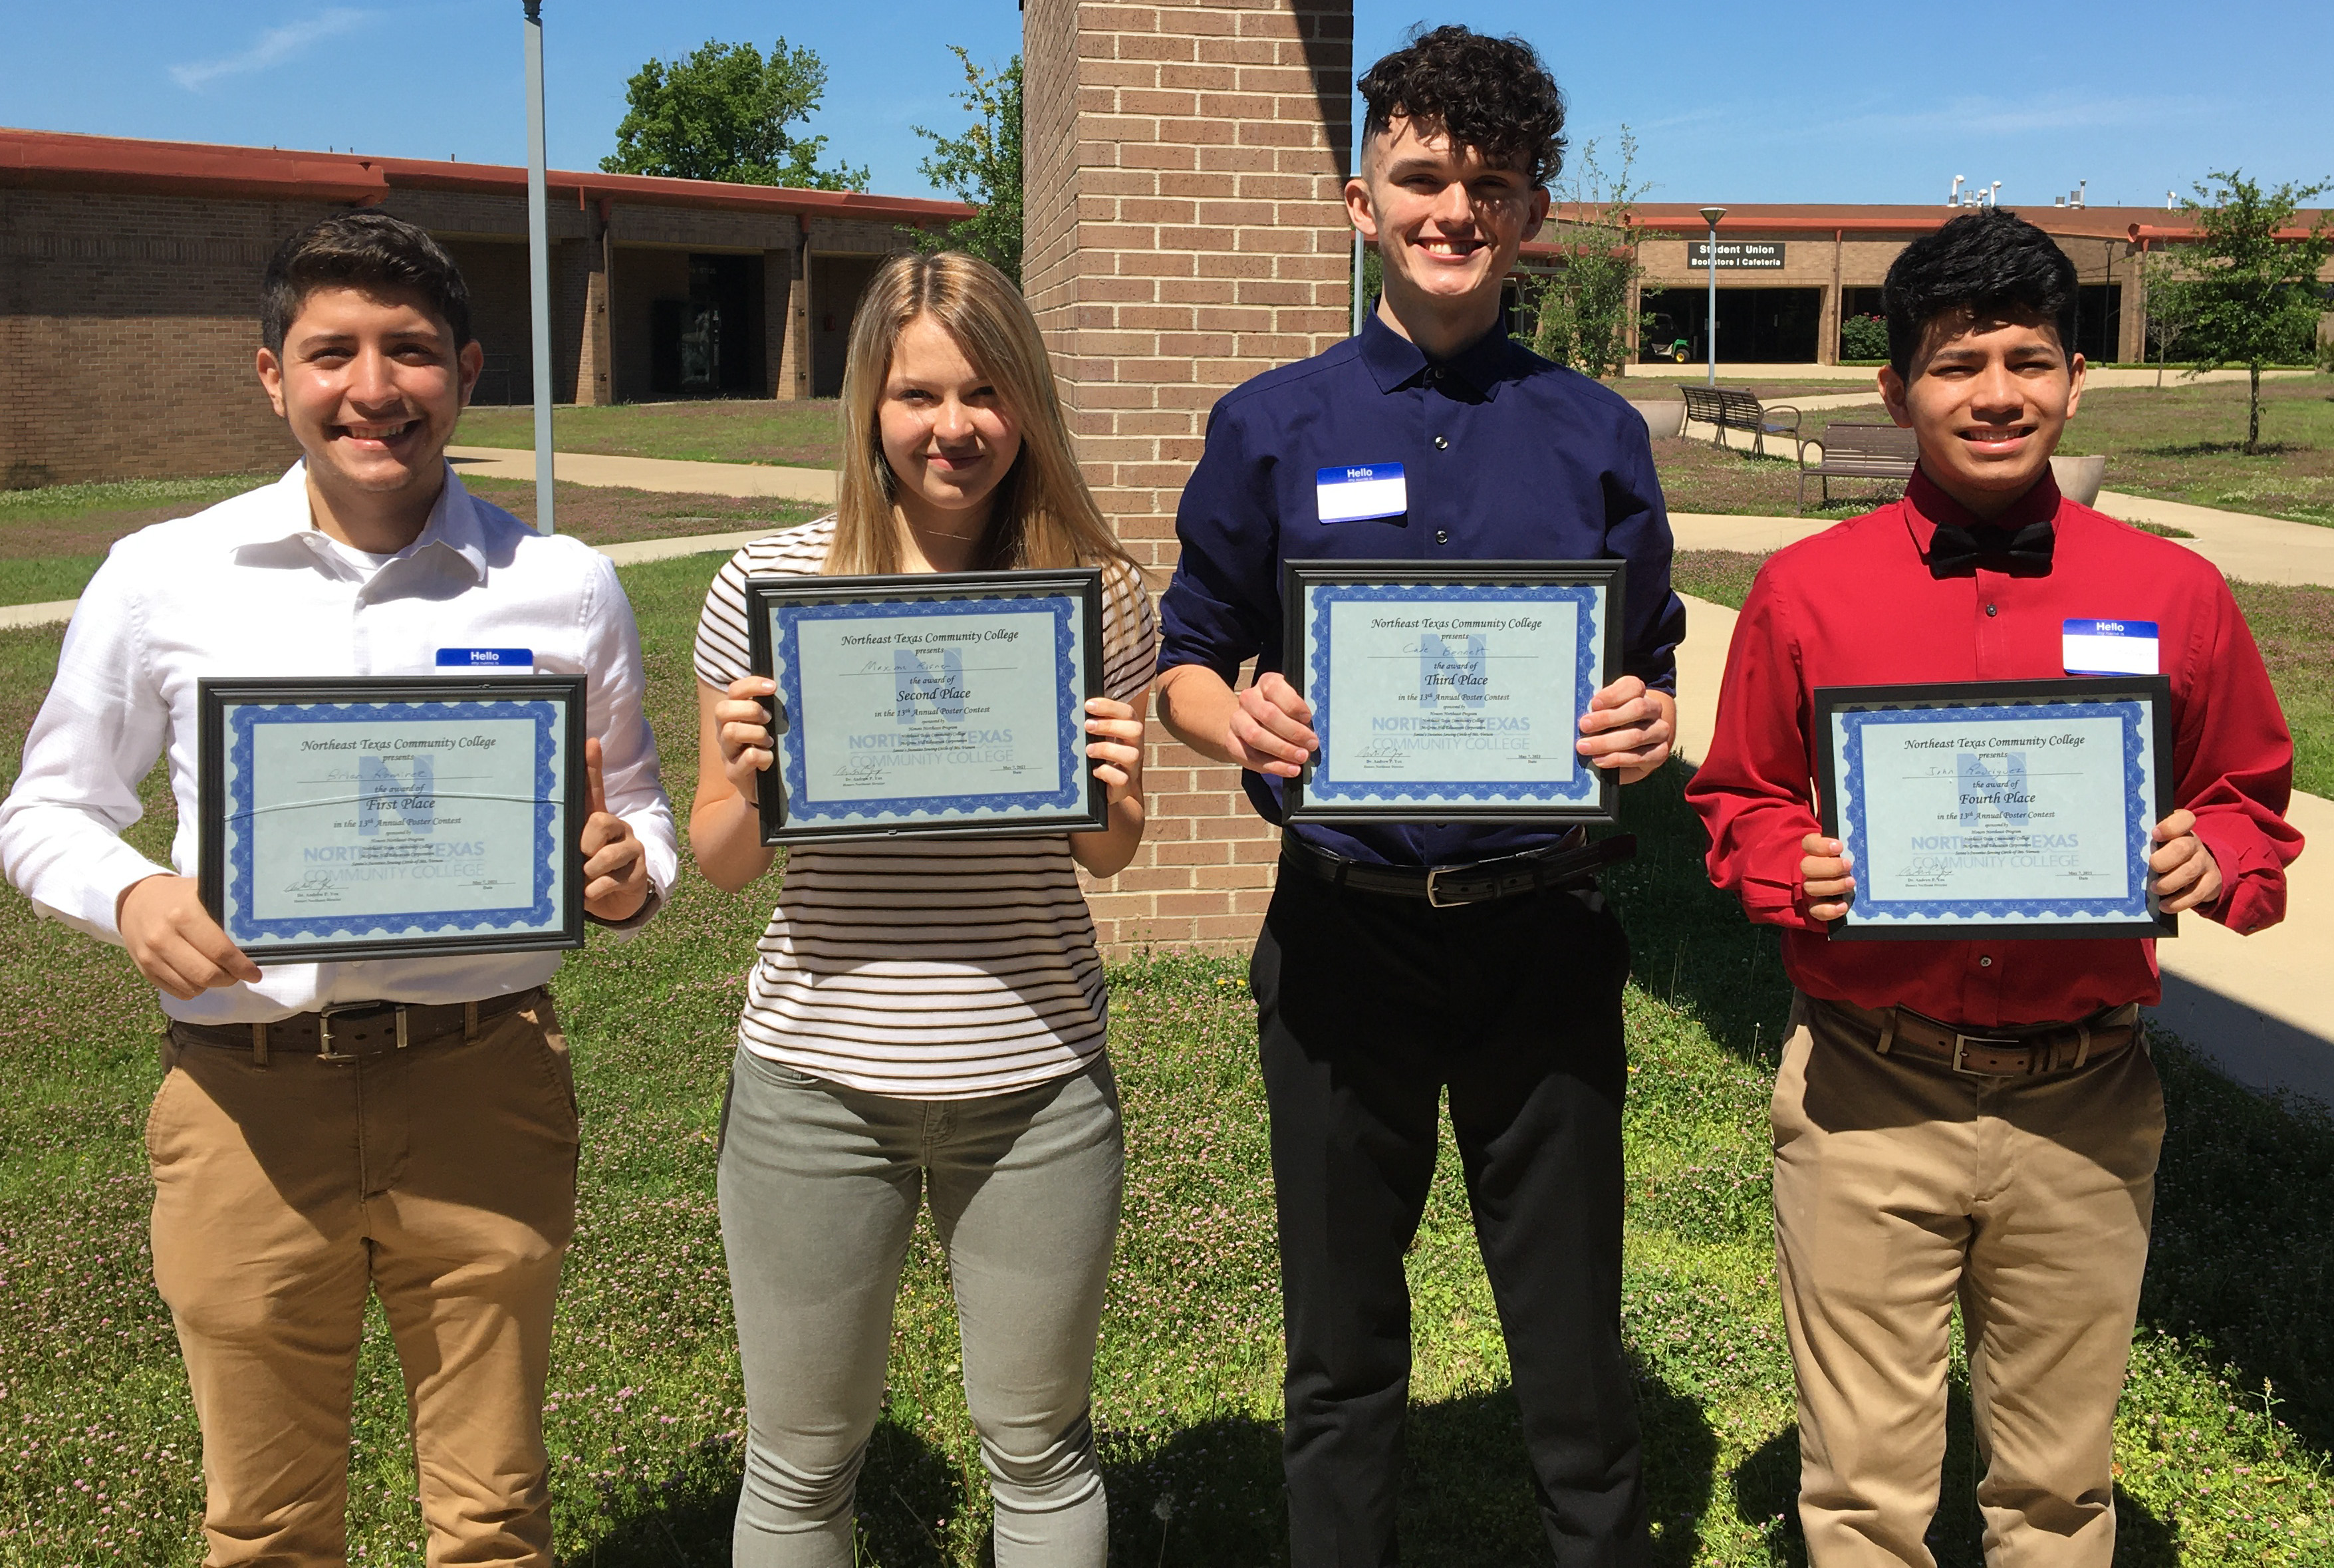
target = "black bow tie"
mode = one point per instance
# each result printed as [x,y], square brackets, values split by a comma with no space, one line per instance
[1955,549]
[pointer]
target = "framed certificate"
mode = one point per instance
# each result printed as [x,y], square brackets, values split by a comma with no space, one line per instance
[1451,693]
[392,818]
[929,705]
[1999,808]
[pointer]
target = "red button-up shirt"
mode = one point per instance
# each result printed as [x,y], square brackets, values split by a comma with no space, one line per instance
[1855,606]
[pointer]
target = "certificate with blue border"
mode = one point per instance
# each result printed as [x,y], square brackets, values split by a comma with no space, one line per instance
[1450,692]
[929,705]
[2003,808]
[393,817]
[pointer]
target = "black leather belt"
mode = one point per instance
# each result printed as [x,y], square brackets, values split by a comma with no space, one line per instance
[1570,862]
[346,1031]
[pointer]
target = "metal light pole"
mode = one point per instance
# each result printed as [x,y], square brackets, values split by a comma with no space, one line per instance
[1360,304]
[1710,214]
[538,256]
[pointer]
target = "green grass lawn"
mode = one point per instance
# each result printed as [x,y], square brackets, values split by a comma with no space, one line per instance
[99,1449]
[800,433]
[2293,624]
[2180,444]
[2184,443]
[52,540]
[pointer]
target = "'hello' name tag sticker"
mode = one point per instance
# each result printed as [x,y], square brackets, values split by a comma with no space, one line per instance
[1358,491]
[2110,648]
[509,660]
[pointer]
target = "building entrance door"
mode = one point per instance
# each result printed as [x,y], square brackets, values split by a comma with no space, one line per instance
[836,281]
[709,345]
[1755,326]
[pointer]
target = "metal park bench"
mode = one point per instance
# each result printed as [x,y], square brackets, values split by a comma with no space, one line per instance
[1735,408]
[1857,452]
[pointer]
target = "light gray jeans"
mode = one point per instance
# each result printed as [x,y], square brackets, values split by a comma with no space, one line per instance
[819,1189]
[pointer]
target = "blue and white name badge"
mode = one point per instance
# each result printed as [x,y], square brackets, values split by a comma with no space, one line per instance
[508,660]
[2110,647]
[1360,491]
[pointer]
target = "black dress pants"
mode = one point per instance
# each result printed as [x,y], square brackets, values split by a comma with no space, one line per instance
[1368,1006]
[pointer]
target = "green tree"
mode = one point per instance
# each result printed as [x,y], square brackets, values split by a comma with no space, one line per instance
[982,167]
[2246,294]
[1583,308]
[722,113]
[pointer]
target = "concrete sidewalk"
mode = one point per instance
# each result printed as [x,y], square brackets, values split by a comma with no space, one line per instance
[652,473]
[2248,548]
[2259,1005]
[2093,376]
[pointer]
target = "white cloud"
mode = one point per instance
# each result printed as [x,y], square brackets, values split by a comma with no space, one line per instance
[272,48]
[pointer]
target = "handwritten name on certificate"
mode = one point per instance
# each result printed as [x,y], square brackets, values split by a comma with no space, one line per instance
[419,818]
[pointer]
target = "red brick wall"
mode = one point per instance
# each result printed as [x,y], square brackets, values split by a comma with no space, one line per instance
[1183,233]
[128,327]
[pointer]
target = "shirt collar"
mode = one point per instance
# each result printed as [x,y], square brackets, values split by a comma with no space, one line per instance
[1926,505]
[453,533]
[1395,361]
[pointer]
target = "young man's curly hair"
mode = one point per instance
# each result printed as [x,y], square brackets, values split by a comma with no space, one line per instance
[1492,94]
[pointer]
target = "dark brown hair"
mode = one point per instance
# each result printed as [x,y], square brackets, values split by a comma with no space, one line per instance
[1989,264]
[1492,94]
[361,250]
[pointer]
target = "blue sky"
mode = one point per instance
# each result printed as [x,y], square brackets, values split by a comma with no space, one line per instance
[1873,102]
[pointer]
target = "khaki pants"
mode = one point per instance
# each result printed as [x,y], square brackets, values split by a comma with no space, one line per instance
[441,1178]
[1900,1185]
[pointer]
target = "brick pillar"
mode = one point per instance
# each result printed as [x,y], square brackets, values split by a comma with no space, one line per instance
[596,370]
[1183,231]
[794,349]
[777,312]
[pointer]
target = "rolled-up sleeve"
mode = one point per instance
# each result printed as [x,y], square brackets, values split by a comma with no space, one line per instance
[1638,530]
[628,752]
[1222,606]
[2233,767]
[1752,789]
[98,734]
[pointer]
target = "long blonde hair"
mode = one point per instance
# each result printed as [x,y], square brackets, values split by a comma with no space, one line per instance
[1042,514]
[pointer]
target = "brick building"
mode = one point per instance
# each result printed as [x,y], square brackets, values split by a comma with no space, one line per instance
[1788,275]
[130,273]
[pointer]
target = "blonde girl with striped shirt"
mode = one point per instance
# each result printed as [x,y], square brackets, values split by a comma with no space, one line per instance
[925,1018]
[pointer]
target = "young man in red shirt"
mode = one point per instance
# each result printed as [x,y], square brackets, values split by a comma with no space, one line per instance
[1915,1164]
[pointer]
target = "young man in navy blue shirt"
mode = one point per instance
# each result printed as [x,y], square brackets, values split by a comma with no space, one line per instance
[1504,987]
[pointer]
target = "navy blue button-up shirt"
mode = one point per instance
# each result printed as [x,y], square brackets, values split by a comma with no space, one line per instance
[1505,458]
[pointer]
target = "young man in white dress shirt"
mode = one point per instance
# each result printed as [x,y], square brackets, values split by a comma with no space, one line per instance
[404,1127]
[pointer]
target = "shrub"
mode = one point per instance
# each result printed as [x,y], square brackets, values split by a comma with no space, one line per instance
[1863,338]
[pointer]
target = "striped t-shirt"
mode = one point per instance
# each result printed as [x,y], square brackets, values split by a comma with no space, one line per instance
[934,968]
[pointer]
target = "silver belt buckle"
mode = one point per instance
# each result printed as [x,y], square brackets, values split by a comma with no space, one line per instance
[325,1016]
[1963,1042]
[1434,899]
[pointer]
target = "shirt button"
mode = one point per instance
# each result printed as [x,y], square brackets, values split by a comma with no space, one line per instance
[1985,963]
[1443,535]
[1441,443]
[1990,609]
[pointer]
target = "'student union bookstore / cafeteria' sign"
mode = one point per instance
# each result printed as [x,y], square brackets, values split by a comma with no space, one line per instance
[1750,254]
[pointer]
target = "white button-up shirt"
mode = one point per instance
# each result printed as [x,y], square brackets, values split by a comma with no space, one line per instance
[250,587]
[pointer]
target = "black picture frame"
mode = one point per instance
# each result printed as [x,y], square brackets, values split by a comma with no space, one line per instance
[1602,801]
[885,594]
[217,695]
[2154,692]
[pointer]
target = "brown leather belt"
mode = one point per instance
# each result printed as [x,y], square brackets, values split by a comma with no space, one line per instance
[1569,863]
[2021,1052]
[347,1030]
